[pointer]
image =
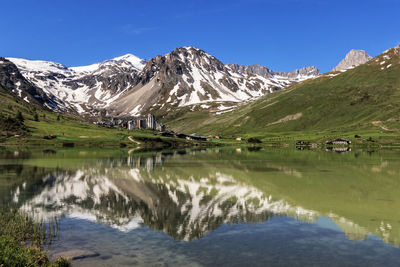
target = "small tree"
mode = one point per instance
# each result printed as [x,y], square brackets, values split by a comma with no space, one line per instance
[35,117]
[58,117]
[19,117]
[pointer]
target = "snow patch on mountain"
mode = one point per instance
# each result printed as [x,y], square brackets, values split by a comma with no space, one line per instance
[127,60]
[86,87]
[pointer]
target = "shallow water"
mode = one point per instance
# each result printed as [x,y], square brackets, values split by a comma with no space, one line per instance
[226,207]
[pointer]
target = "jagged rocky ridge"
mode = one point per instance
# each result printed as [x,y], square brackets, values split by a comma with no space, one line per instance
[128,85]
[300,74]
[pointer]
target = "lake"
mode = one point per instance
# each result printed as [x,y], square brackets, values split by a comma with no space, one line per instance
[212,207]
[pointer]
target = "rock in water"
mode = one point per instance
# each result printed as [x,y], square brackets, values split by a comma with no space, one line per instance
[75,254]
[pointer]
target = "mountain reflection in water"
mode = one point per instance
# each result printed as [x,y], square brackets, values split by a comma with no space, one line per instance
[187,194]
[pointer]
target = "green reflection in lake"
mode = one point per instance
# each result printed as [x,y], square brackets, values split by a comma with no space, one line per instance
[187,194]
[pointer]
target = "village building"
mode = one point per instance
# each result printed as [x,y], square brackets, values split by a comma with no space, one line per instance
[132,125]
[151,122]
[339,141]
[160,127]
[141,123]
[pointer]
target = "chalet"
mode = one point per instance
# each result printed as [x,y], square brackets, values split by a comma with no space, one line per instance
[239,139]
[339,141]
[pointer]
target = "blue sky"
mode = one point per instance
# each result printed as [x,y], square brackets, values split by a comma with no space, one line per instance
[281,34]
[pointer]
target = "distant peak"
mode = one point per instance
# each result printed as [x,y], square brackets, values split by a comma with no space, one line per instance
[353,59]
[356,51]
[190,47]
[126,57]
[131,58]
[187,49]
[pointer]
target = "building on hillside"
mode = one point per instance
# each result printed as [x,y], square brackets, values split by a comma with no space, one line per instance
[160,127]
[141,124]
[151,122]
[339,141]
[132,125]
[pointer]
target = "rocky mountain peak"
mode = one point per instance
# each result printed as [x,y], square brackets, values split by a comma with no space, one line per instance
[189,54]
[179,62]
[353,59]
[299,74]
[252,69]
[305,72]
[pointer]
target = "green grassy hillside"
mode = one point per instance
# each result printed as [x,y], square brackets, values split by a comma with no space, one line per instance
[68,130]
[364,100]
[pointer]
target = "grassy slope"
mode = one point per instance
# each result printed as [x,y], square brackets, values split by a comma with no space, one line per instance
[68,129]
[346,104]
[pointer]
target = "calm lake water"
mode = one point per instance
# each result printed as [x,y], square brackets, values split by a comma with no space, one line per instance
[214,207]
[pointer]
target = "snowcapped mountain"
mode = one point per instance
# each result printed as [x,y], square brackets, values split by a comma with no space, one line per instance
[83,88]
[127,61]
[353,59]
[189,76]
[11,79]
[128,85]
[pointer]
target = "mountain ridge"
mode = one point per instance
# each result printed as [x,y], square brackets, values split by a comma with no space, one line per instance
[190,76]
